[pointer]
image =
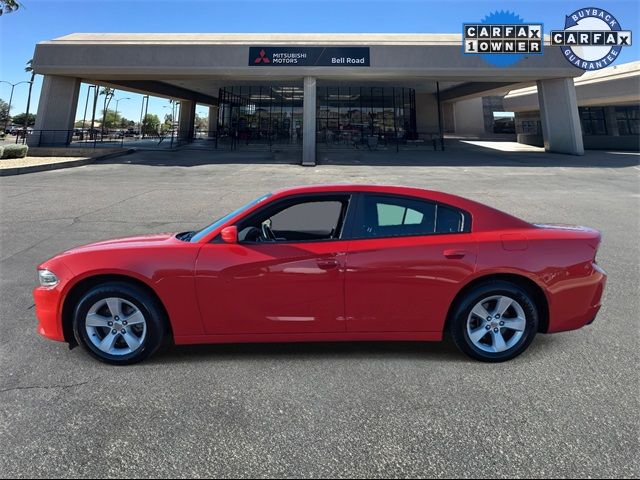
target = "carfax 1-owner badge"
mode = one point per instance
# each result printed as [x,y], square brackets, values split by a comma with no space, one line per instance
[592,38]
[502,38]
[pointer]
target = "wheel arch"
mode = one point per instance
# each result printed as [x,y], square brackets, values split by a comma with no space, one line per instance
[84,285]
[522,281]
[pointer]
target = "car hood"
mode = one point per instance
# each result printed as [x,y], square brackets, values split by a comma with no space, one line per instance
[128,242]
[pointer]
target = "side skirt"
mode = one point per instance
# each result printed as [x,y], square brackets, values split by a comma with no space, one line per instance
[311,337]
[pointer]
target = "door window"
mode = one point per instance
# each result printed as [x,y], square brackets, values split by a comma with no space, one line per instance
[309,220]
[385,216]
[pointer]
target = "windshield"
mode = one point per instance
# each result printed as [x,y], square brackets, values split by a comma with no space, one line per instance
[207,230]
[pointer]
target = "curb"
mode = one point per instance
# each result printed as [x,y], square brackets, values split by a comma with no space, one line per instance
[5,172]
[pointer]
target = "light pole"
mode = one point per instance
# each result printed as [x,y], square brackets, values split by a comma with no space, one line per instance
[86,104]
[13,85]
[145,99]
[124,98]
[201,115]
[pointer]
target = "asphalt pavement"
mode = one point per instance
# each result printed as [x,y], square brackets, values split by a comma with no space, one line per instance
[568,407]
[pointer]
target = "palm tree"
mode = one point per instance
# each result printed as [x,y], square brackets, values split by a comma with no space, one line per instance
[108,95]
[29,69]
[8,6]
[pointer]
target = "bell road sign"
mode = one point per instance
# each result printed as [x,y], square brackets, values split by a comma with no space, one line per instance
[309,56]
[520,38]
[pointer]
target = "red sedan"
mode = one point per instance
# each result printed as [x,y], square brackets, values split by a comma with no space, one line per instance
[328,263]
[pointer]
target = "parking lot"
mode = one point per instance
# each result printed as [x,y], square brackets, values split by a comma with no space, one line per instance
[568,407]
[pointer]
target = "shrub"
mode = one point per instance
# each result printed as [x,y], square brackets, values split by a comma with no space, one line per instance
[14,151]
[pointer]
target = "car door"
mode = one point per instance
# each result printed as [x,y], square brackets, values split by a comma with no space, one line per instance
[405,264]
[291,285]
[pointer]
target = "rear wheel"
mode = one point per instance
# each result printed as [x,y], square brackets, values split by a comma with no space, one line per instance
[495,322]
[119,323]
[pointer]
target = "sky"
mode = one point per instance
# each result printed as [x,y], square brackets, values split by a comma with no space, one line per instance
[40,20]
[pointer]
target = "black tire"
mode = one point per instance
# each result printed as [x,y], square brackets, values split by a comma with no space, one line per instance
[461,312]
[145,303]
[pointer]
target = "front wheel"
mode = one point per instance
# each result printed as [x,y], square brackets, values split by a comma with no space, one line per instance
[118,323]
[495,322]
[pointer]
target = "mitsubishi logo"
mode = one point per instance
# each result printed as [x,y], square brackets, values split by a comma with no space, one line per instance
[262,58]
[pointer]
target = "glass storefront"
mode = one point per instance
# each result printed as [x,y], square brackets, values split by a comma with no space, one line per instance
[345,115]
[348,115]
[258,114]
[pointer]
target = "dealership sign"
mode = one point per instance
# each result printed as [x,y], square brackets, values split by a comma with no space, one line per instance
[309,56]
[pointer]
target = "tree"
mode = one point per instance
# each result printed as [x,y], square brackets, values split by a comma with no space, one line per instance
[29,69]
[8,6]
[202,123]
[108,95]
[4,112]
[21,119]
[150,124]
[168,122]
[110,119]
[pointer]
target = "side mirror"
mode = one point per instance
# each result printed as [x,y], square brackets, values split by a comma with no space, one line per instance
[230,234]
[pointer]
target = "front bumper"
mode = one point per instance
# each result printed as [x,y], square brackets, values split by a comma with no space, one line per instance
[48,312]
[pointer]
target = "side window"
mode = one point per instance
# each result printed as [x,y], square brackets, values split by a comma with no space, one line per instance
[449,220]
[319,218]
[382,216]
[310,220]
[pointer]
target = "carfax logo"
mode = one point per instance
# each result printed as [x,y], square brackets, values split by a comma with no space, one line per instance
[502,38]
[592,38]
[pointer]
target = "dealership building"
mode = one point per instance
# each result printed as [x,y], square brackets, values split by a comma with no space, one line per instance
[313,89]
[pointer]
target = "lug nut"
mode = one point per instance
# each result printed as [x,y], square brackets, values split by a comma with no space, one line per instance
[489,318]
[114,331]
[116,318]
[488,327]
[123,331]
[502,324]
[496,330]
[497,315]
[124,323]
[110,324]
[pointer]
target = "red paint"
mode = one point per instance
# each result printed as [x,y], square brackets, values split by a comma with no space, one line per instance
[396,288]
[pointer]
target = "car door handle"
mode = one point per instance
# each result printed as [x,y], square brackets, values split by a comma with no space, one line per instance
[328,263]
[455,254]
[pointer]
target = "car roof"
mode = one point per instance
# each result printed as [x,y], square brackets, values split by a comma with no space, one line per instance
[484,217]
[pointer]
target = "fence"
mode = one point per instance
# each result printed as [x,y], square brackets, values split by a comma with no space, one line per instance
[97,139]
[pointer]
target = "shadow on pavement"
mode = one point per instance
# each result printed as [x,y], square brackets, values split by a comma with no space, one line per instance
[456,154]
[423,351]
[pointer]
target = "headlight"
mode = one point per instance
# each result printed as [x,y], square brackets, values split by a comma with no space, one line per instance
[47,278]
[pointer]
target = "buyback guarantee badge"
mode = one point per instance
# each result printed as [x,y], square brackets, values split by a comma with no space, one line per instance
[592,38]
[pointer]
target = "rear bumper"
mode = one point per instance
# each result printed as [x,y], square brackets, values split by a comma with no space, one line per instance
[578,302]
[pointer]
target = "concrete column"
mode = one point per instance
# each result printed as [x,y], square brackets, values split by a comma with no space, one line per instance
[187,120]
[309,123]
[559,116]
[426,113]
[469,116]
[56,111]
[213,121]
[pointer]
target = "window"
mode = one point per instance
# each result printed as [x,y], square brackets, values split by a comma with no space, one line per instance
[628,119]
[382,216]
[309,220]
[592,121]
